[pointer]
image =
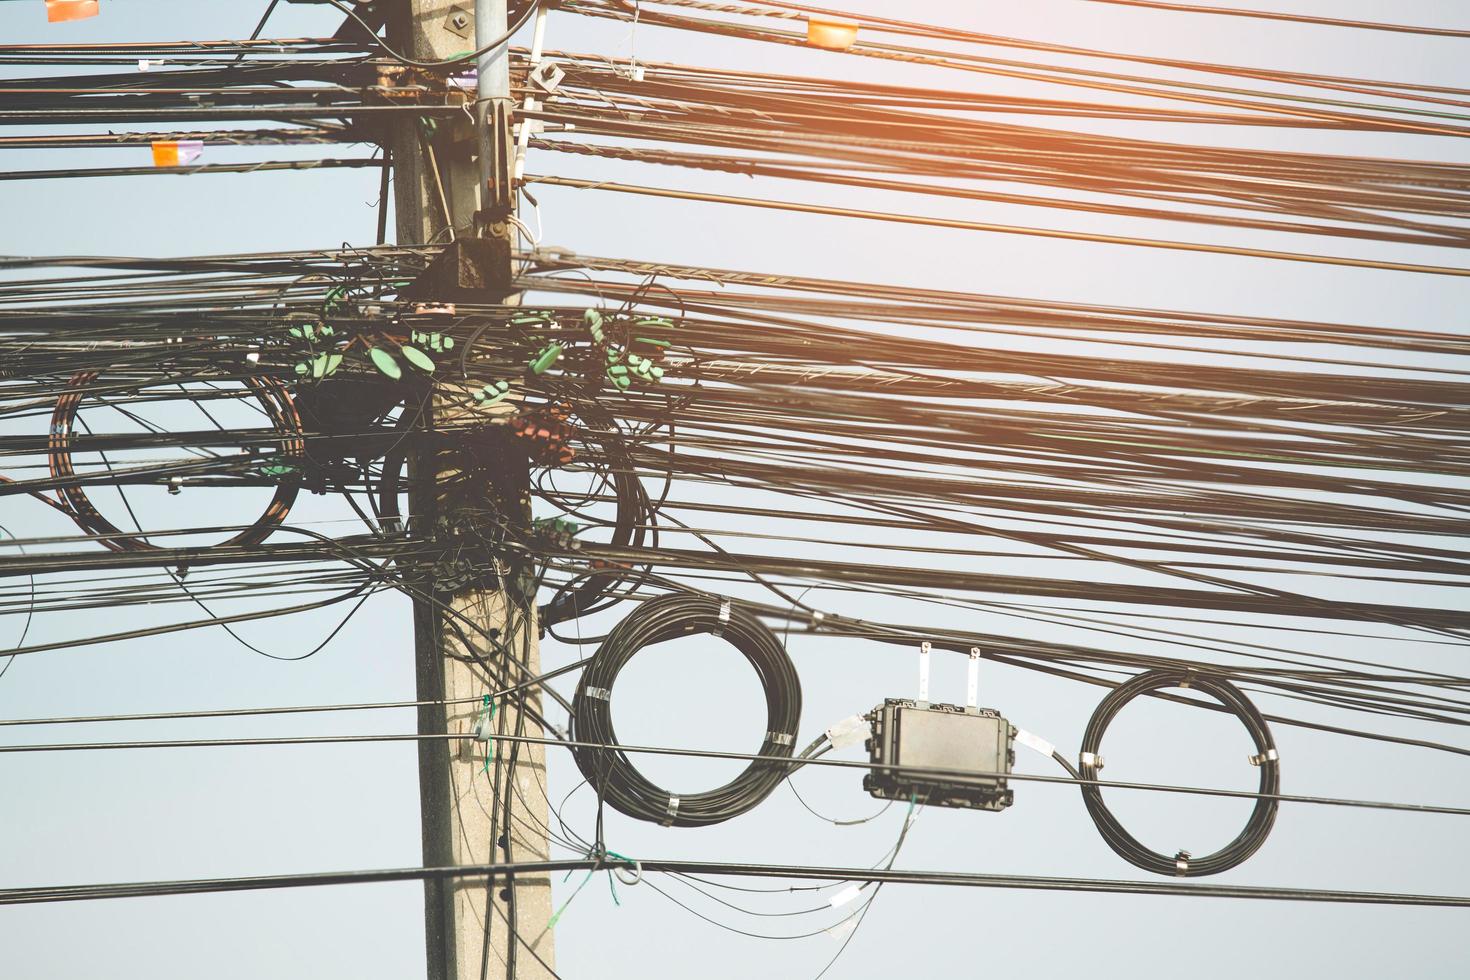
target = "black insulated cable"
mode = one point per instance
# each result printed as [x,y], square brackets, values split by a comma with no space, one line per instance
[656,621]
[1182,864]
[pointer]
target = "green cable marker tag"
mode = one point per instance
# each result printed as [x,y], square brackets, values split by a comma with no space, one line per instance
[384,362]
[417,358]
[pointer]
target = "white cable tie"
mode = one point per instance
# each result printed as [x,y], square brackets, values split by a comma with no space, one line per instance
[848,731]
[1267,756]
[673,811]
[719,629]
[600,692]
[843,897]
[1035,742]
[780,738]
[1093,760]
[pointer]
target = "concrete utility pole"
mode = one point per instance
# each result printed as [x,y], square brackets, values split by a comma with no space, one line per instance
[452,183]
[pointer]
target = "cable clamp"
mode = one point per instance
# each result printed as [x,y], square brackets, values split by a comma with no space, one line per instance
[1091,759]
[630,873]
[780,738]
[1267,756]
[601,693]
[546,76]
[1181,863]
[719,629]
[672,813]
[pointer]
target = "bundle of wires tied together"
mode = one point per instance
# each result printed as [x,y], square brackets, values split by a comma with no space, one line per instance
[612,774]
[1182,864]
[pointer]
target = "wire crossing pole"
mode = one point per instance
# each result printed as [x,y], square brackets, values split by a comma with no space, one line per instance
[479,803]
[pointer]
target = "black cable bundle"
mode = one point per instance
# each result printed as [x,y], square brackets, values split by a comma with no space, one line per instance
[1182,865]
[610,772]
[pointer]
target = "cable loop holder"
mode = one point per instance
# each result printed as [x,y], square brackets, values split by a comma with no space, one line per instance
[601,693]
[972,682]
[1181,863]
[780,738]
[1092,759]
[924,649]
[630,872]
[672,813]
[1262,758]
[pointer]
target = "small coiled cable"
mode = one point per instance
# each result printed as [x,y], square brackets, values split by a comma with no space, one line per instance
[1182,864]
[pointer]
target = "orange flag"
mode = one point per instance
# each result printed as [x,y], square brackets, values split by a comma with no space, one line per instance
[58,10]
[176,153]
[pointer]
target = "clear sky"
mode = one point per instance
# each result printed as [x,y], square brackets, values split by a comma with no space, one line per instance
[149,815]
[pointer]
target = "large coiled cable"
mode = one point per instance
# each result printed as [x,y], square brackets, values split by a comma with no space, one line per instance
[1182,864]
[609,771]
[273,398]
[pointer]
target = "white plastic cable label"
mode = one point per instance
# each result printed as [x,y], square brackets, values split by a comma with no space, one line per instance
[848,731]
[843,897]
[1034,742]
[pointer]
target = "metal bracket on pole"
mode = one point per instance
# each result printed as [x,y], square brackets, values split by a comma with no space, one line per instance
[492,115]
[546,80]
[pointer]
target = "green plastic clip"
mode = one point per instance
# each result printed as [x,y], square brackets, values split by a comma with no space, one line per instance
[548,356]
[492,393]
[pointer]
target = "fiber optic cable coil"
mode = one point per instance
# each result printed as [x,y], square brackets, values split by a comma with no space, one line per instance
[1181,864]
[613,776]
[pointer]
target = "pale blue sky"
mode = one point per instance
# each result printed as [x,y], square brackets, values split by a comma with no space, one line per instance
[121,816]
